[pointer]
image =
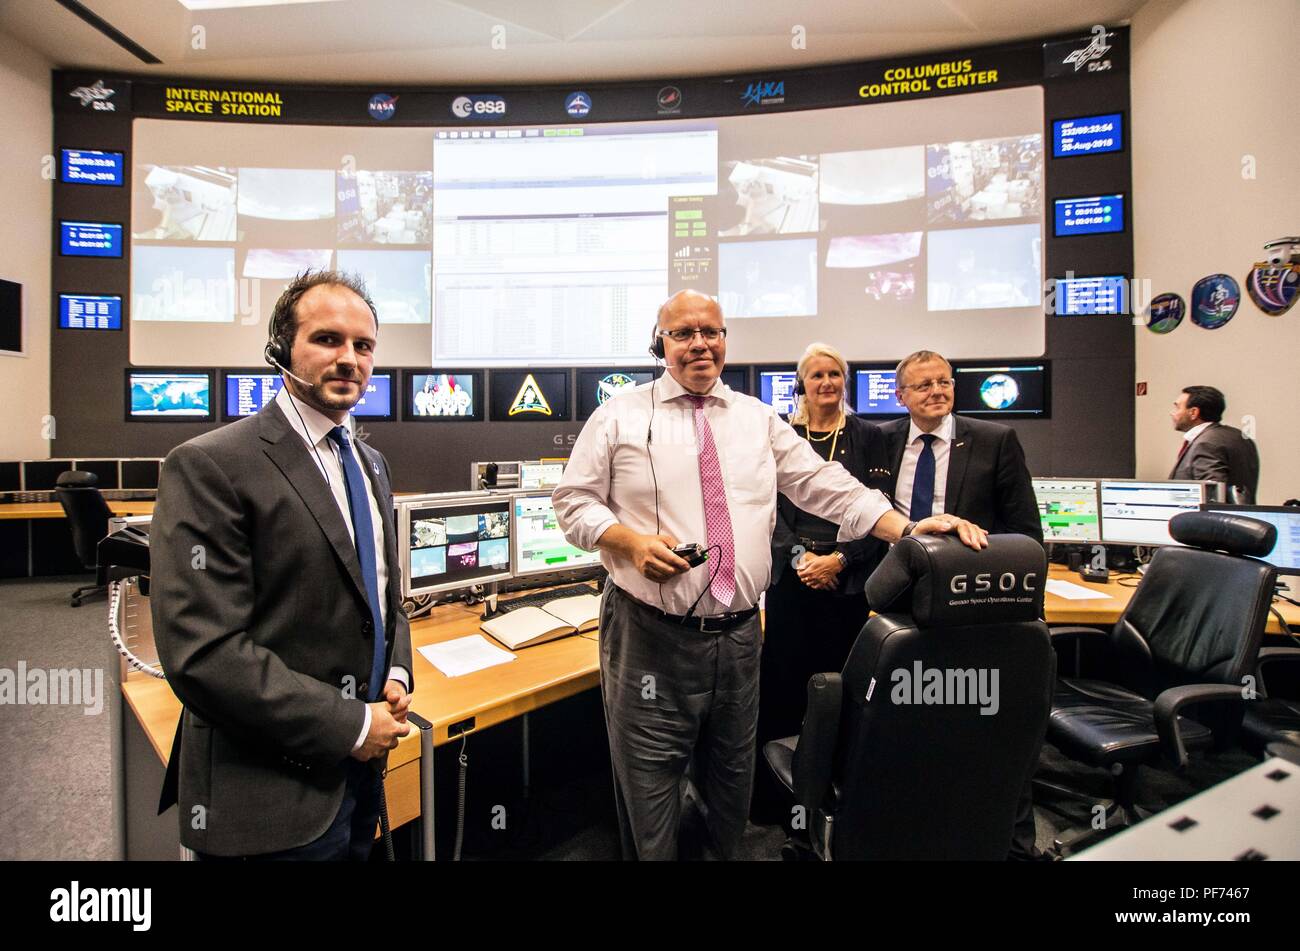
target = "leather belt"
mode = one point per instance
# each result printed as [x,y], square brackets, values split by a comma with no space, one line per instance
[716,624]
[816,546]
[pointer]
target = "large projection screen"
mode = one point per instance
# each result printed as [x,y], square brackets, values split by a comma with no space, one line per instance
[881,229]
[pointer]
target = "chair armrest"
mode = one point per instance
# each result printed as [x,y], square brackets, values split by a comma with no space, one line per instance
[1170,701]
[814,756]
[1074,630]
[1269,654]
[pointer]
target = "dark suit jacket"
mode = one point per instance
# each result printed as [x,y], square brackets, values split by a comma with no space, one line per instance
[1222,454]
[861,450]
[262,623]
[988,481]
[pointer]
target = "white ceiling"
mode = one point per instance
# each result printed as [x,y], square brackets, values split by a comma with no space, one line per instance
[441,42]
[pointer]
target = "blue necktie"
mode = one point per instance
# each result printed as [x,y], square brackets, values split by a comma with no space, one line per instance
[923,482]
[363,529]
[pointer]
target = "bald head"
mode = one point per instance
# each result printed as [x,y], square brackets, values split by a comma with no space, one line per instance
[696,362]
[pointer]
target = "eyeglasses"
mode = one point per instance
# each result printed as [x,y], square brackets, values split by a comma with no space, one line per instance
[687,334]
[929,386]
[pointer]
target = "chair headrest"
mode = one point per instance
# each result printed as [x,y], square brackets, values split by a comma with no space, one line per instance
[76,479]
[942,583]
[1224,531]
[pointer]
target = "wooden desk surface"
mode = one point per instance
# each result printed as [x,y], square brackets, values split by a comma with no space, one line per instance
[1103,613]
[55,510]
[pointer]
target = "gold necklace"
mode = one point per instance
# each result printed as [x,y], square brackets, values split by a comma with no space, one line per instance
[839,425]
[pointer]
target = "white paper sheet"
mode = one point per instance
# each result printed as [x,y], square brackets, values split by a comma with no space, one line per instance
[1074,592]
[464,655]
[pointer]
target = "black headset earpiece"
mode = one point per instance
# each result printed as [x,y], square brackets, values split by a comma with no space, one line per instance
[799,388]
[657,346]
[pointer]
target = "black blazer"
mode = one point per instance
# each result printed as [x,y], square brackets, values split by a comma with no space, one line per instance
[988,481]
[1222,454]
[861,450]
[264,630]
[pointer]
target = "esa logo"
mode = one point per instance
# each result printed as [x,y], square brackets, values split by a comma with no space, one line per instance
[960,584]
[483,107]
[382,106]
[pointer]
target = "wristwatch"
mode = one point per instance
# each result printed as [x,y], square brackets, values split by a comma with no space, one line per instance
[908,529]
[844,562]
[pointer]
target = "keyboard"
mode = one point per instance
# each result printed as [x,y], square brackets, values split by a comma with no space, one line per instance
[537,599]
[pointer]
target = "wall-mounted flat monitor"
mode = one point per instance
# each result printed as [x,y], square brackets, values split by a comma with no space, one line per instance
[539,545]
[1104,295]
[90,312]
[776,388]
[596,387]
[530,395]
[90,239]
[169,395]
[1088,135]
[444,395]
[1285,556]
[874,392]
[1089,214]
[737,378]
[376,403]
[453,541]
[1013,390]
[89,167]
[1069,510]
[1134,512]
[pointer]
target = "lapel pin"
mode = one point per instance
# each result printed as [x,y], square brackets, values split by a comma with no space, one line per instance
[375,467]
[959,445]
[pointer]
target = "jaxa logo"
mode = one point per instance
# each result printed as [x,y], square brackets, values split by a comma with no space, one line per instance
[95,96]
[530,399]
[1274,282]
[763,94]
[1093,56]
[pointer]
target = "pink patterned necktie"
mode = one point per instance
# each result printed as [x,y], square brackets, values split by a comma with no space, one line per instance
[717,520]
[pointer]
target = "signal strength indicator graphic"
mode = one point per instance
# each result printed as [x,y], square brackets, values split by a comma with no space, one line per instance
[685,252]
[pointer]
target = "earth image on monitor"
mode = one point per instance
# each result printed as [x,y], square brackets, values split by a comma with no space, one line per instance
[999,391]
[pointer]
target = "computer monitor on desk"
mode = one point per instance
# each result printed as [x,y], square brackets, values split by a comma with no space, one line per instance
[545,474]
[453,541]
[1285,556]
[496,475]
[540,548]
[1134,512]
[1068,510]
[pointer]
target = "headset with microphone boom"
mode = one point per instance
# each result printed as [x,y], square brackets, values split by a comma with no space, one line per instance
[278,353]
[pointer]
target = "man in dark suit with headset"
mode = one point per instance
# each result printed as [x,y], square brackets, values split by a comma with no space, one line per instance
[276,602]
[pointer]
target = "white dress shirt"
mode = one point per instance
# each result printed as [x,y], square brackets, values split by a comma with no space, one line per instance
[941,446]
[1191,434]
[609,480]
[314,428]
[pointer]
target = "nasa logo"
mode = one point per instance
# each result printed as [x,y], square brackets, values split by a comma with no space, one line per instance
[578,104]
[382,106]
[482,107]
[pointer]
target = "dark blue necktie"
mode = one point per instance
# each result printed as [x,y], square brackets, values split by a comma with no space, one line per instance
[363,529]
[923,482]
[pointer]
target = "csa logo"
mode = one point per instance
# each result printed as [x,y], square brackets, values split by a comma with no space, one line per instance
[95,96]
[763,93]
[1274,283]
[530,399]
[382,106]
[578,104]
[669,100]
[480,107]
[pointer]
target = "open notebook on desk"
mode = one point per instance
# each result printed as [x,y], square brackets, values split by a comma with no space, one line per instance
[527,626]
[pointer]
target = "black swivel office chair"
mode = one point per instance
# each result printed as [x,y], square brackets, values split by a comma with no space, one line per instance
[1180,655]
[881,778]
[88,516]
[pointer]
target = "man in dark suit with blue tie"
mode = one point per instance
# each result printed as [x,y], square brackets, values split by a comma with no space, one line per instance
[944,463]
[276,602]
